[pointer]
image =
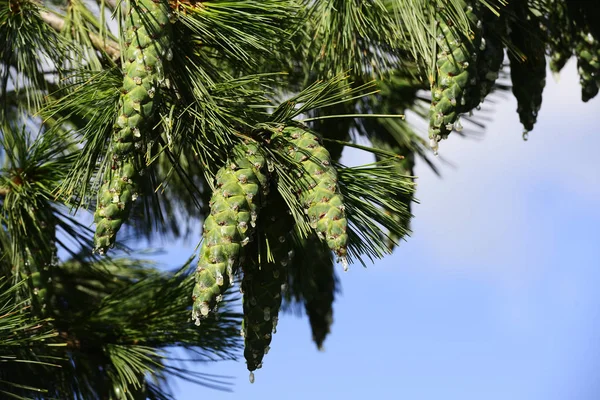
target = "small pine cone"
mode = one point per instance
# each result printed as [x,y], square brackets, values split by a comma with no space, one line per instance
[234,207]
[320,193]
[147,47]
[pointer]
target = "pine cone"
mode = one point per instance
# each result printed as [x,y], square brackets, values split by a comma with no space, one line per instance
[455,85]
[528,74]
[587,52]
[560,41]
[318,288]
[320,196]
[234,209]
[115,199]
[147,41]
[263,277]
[491,56]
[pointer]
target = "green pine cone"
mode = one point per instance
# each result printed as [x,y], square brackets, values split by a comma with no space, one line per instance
[263,280]
[115,199]
[491,55]
[587,52]
[318,287]
[234,206]
[559,36]
[528,74]
[146,47]
[455,76]
[320,195]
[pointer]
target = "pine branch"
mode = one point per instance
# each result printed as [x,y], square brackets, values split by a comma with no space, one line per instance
[348,35]
[210,81]
[28,345]
[106,45]
[34,45]
[370,193]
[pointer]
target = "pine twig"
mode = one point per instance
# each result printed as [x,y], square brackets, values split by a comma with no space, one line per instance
[112,4]
[110,47]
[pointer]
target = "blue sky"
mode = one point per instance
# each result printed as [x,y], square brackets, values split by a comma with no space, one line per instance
[493,297]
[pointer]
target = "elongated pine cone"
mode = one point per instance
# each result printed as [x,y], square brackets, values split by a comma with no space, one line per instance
[319,193]
[527,72]
[587,52]
[455,79]
[146,47]
[234,207]
[264,273]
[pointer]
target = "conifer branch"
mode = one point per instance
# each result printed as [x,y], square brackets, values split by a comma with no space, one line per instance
[108,46]
[290,90]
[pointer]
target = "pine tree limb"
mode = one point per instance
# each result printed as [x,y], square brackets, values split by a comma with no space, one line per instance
[108,46]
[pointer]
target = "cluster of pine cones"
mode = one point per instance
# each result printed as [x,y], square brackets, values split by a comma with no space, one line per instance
[246,203]
[243,187]
[467,67]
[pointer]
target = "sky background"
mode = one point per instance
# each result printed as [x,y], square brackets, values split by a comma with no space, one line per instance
[495,295]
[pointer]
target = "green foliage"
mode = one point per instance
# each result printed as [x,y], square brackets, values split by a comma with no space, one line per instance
[29,346]
[27,42]
[232,115]
[352,34]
